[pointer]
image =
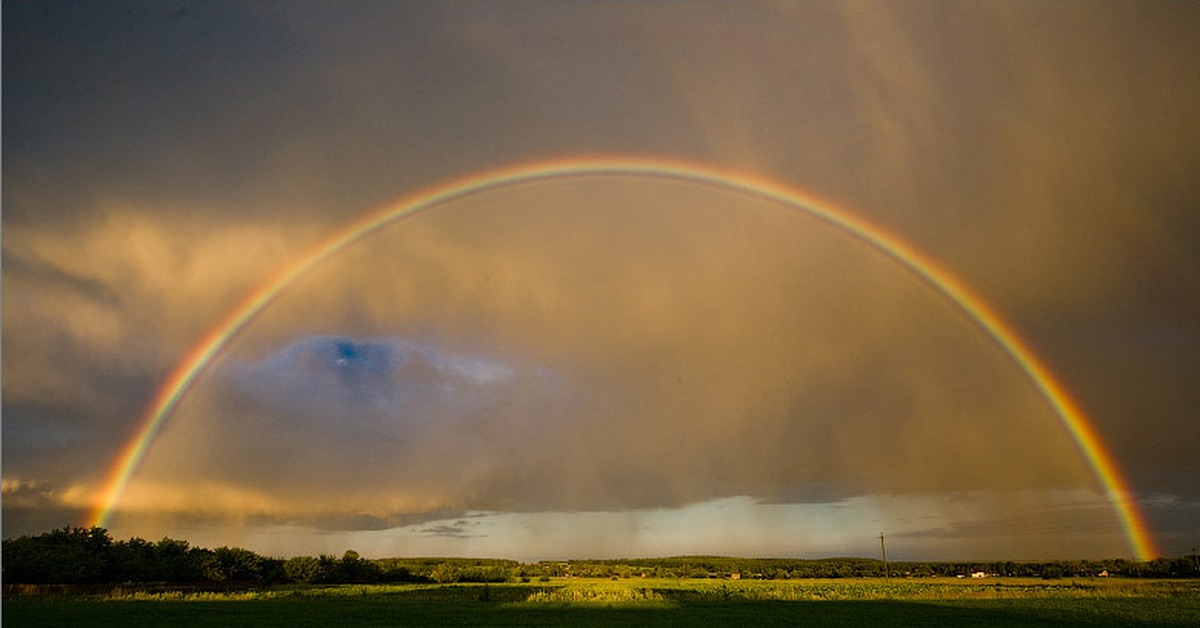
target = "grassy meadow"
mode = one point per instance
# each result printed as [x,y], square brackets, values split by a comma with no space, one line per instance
[630,602]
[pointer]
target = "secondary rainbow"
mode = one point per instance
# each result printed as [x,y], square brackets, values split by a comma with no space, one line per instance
[928,269]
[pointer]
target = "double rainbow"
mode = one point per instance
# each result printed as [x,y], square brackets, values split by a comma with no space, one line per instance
[928,269]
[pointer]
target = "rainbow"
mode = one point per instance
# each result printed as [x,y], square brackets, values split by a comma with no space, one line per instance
[926,268]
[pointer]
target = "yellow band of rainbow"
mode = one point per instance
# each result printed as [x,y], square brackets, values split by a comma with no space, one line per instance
[928,269]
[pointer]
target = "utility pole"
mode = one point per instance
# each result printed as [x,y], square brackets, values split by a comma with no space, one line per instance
[883,550]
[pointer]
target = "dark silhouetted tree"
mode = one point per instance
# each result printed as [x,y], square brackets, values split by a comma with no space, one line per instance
[66,556]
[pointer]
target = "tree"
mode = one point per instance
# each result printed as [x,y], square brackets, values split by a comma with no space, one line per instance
[131,561]
[302,569]
[236,564]
[65,556]
[446,572]
[176,561]
[353,568]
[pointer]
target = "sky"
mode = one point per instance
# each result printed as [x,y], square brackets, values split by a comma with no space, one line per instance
[606,364]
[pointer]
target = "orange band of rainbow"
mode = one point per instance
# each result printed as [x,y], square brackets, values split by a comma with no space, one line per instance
[942,280]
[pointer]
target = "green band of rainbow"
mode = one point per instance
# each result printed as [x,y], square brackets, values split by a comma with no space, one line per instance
[929,270]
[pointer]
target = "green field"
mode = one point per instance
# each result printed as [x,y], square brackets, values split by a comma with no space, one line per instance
[634,602]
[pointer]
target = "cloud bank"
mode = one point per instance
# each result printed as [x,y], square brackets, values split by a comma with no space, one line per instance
[601,346]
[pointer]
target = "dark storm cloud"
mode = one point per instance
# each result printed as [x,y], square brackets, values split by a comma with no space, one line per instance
[133,105]
[45,275]
[457,530]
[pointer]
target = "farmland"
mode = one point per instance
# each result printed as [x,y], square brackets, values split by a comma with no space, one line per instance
[81,577]
[627,601]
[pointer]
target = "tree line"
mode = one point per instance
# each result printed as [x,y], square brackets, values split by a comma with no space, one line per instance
[90,556]
[852,567]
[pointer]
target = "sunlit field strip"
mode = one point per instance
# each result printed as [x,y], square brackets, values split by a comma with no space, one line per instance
[636,589]
[641,602]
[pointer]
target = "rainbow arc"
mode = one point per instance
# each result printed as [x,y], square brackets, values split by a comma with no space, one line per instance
[929,270]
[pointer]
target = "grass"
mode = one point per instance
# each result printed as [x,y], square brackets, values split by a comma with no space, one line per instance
[636,602]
